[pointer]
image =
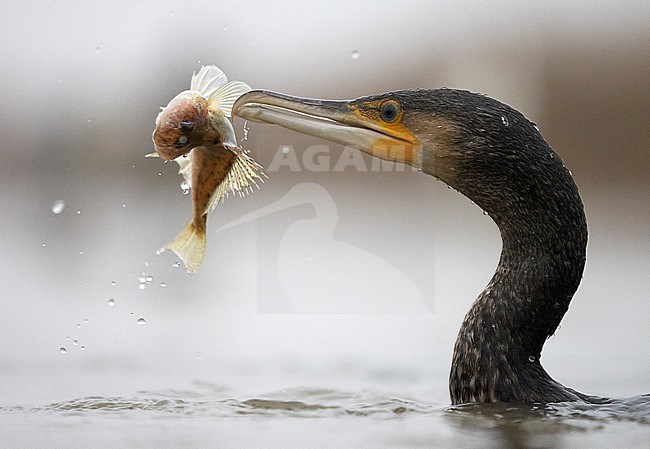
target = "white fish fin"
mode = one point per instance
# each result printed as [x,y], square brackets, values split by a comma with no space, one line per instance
[223,126]
[224,96]
[209,78]
[189,246]
[185,168]
[244,173]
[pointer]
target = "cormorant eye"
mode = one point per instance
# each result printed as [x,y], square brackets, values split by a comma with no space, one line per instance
[389,111]
[187,125]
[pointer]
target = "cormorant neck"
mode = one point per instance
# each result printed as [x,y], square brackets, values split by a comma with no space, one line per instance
[497,353]
[515,177]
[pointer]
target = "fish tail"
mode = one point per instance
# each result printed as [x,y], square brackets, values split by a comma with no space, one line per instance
[189,245]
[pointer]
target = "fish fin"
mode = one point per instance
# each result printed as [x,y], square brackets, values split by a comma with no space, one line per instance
[244,173]
[209,78]
[225,95]
[185,168]
[189,246]
[222,125]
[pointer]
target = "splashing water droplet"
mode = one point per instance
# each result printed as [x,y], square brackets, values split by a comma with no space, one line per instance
[78,212]
[159,173]
[142,286]
[111,302]
[531,359]
[86,321]
[43,245]
[78,326]
[199,356]
[160,251]
[246,130]
[163,284]
[176,264]
[505,120]
[355,55]
[58,207]
[225,28]
[75,342]
[148,279]
[99,49]
[123,205]
[286,150]
[113,283]
[185,187]
[82,348]
[63,350]
[142,321]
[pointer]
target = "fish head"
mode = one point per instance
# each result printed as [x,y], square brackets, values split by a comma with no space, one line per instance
[182,125]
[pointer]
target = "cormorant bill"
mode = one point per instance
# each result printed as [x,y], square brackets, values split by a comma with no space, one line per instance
[496,157]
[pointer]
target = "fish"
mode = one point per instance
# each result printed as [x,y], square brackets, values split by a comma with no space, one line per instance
[194,129]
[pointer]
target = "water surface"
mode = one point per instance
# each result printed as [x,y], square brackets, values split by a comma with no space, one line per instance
[211,415]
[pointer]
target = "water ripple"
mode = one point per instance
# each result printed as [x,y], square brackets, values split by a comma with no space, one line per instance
[634,409]
[314,403]
[232,407]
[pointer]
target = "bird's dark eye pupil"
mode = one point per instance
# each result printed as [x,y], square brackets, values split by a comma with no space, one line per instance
[187,125]
[389,112]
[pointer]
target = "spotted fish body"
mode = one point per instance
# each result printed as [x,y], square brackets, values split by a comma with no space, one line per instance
[194,130]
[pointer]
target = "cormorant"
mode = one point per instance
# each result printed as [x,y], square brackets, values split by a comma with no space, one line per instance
[492,154]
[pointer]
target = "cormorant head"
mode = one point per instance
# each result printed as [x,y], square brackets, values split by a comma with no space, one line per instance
[484,148]
[436,131]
